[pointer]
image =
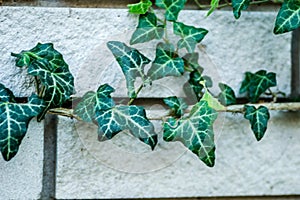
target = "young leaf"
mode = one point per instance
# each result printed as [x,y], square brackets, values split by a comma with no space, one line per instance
[227,96]
[147,29]
[113,119]
[173,7]
[288,17]
[213,5]
[258,119]
[195,131]
[190,35]
[212,101]
[177,105]
[238,6]
[14,119]
[132,63]
[44,62]
[258,83]
[140,8]
[166,63]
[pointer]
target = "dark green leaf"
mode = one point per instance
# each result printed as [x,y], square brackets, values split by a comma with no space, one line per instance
[177,105]
[6,95]
[256,84]
[173,7]
[194,82]
[238,6]
[191,60]
[227,96]
[14,120]
[288,17]
[213,5]
[132,63]
[147,29]
[258,119]
[113,119]
[195,131]
[166,63]
[140,8]
[48,65]
[190,35]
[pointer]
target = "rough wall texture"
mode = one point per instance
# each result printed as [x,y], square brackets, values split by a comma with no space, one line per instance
[87,169]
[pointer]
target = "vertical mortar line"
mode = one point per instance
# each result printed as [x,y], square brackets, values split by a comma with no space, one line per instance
[49,164]
[295,76]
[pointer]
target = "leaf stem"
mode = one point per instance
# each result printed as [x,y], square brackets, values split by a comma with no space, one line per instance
[230,4]
[136,94]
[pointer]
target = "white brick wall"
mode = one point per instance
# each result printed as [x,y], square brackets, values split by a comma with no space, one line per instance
[243,166]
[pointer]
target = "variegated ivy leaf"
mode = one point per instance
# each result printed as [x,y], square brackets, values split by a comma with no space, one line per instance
[14,120]
[195,131]
[113,119]
[191,60]
[6,94]
[140,8]
[177,105]
[173,7]
[194,82]
[238,6]
[258,119]
[227,96]
[46,63]
[256,84]
[213,5]
[288,17]
[166,63]
[147,29]
[132,63]
[190,35]
[212,101]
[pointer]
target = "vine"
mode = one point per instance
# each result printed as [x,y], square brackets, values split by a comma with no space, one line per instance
[190,124]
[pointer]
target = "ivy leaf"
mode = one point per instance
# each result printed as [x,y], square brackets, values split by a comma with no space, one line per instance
[147,29]
[258,119]
[212,101]
[227,96]
[194,82]
[14,120]
[213,5]
[238,6]
[112,119]
[44,62]
[256,84]
[288,17]
[195,131]
[166,63]
[173,7]
[191,60]
[190,35]
[140,8]
[177,105]
[132,63]
[6,95]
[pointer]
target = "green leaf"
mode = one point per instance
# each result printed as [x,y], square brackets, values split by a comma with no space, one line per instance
[190,35]
[212,101]
[227,96]
[258,119]
[191,60]
[213,5]
[256,84]
[177,105]
[147,29]
[195,131]
[48,66]
[173,7]
[194,82]
[238,6]
[140,8]
[6,95]
[288,17]
[14,120]
[113,119]
[166,63]
[132,63]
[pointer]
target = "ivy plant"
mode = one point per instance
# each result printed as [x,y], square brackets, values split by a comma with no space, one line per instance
[190,124]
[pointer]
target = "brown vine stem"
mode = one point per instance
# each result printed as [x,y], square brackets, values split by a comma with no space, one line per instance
[162,114]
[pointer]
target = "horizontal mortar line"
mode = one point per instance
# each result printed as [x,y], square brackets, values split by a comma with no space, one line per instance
[190,5]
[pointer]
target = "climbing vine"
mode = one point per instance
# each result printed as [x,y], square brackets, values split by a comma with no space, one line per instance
[190,124]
